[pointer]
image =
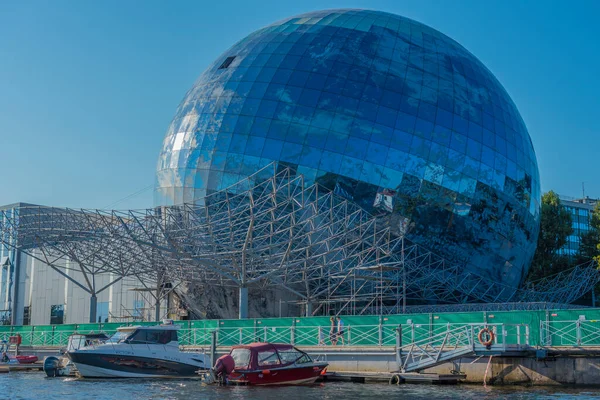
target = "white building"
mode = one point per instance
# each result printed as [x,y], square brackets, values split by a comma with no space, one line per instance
[581,215]
[35,293]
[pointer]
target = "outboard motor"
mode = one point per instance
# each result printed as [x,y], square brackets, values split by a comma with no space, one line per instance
[223,367]
[52,367]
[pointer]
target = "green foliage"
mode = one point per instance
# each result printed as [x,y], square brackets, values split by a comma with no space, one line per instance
[555,228]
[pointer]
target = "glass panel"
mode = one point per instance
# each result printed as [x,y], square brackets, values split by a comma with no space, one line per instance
[266,358]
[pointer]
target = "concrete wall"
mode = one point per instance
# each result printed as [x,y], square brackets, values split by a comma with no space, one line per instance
[529,371]
[562,370]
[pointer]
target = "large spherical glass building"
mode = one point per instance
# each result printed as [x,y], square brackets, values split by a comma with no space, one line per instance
[380,109]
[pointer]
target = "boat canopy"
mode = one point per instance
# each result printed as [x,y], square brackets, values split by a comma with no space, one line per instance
[256,356]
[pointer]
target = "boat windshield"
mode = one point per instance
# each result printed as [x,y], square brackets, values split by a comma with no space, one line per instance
[118,337]
[268,357]
[294,355]
[241,357]
[152,336]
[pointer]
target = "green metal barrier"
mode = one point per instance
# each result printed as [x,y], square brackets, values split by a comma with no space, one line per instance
[89,328]
[278,330]
[535,328]
[236,331]
[311,331]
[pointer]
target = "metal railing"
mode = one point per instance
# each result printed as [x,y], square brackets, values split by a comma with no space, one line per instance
[570,333]
[458,340]
[551,333]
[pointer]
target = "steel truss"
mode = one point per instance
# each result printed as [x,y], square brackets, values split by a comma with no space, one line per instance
[271,229]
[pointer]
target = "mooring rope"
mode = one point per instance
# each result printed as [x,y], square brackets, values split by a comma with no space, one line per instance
[486,371]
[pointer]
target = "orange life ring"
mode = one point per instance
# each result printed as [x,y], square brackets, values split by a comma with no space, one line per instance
[490,334]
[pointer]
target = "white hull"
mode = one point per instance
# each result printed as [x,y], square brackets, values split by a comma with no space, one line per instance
[89,371]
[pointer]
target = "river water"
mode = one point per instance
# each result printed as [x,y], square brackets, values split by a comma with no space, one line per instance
[36,386]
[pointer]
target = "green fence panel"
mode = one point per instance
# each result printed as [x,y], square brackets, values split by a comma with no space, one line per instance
[460,318]
[145,323]
[415,327]
[5,332]
[274,330]
[88,328]
[520,326]
[360,330]
[591,314]
[441,322]
[62,333]
[110,327]
[201,331]
[235,331]
[312,331]
[43,335]
[184,333]
[573,328]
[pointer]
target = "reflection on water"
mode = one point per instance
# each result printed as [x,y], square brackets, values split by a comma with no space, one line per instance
[37,386]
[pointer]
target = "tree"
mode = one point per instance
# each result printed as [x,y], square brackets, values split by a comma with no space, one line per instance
[555,228]
[589,247]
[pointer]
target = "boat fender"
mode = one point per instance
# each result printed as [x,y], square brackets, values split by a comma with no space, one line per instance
[396,379]
[490,337]
[266,372]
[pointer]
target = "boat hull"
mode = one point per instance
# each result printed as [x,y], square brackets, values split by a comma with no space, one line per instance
[26,359]
[97,365]
[293,375]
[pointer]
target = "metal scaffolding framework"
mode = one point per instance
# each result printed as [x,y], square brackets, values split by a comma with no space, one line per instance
[270,229]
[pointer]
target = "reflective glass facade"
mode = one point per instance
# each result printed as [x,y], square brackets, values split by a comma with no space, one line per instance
[581,216]
[381,109]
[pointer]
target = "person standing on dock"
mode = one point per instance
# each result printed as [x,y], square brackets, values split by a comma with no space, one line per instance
[332,331]
[340,329]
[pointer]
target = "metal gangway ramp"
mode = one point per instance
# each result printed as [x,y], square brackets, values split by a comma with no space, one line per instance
[456,342]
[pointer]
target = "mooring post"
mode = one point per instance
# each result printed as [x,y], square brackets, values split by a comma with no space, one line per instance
[399,346]
[213,348]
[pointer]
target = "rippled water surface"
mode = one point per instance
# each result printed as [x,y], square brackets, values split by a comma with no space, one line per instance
[37,386]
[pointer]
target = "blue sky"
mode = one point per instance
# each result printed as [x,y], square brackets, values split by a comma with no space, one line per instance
[88,88]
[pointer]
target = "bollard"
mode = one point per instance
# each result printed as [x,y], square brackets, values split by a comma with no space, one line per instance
[399,347]
[213,348]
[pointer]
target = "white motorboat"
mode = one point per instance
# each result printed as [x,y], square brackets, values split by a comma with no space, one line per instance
[139,352]
[62,366]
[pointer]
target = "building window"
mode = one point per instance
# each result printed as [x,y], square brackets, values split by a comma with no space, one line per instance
[138,309]
[26,315]
[57,314]
[227,62]
[102,312]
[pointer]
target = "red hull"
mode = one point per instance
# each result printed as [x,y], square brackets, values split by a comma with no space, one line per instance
[26,359]
[291,375]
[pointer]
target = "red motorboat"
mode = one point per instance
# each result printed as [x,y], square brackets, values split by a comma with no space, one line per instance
[26,359]
[266,364]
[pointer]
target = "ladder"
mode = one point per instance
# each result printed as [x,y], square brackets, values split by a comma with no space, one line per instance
[437,349]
